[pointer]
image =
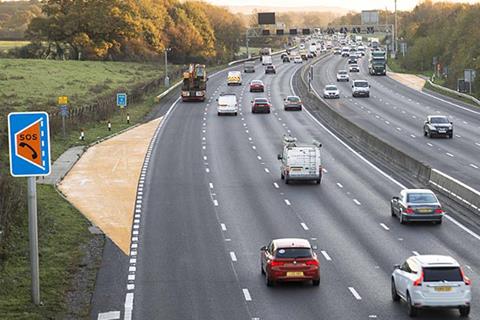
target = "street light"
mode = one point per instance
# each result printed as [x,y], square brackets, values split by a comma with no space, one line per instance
[395,31]
[167,79]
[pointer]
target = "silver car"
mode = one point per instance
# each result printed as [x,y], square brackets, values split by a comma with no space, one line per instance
[416,205]
[331,92]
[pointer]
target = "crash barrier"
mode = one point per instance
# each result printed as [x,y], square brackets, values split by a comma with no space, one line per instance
[366,141]
[460,94]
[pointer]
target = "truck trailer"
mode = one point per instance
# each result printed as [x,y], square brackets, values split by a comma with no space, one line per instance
[194,86]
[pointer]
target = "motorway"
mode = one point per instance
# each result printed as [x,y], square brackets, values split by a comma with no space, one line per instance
[396,113]
[213,196]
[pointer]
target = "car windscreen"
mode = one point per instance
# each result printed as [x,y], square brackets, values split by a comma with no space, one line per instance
[361,84]
[293,99]
[293,253]
[331,88]
[439,120]
[342,72]
[442,274]
[421,198]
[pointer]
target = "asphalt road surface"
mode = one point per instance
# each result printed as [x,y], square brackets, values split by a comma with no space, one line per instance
[213,196]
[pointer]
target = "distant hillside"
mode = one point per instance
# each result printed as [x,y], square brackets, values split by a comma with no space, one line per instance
[15,17]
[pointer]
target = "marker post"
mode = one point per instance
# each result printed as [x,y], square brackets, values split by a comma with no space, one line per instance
[33,238]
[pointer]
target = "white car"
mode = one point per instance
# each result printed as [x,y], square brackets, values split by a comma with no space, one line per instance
[297,59]
[331,92]
[354,68]
[431,281]
[342,75]
[360,88]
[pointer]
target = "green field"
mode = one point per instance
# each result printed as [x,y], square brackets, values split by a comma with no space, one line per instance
[7,45]
[36,84]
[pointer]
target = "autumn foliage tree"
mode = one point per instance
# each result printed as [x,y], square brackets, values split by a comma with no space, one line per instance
[136,29]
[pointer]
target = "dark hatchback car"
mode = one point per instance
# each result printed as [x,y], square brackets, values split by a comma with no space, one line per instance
[261,105]
[288,260]
[438,126]
[270,69]
[352,60]
[286,59]
[416,205]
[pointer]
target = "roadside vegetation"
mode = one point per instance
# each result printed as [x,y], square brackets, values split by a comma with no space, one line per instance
[448,31]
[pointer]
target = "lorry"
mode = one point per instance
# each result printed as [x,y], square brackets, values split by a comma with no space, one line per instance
[301,162]
[377,64]
[227,104]
[267,60]
[194,86]
[266,51]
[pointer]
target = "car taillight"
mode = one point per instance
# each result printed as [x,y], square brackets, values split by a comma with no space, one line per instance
[418,282]
[276,263]
[312,262]
[408,210]
[438,210]
[465,278]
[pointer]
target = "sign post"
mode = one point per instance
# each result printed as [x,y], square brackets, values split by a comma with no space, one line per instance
[62,102]
[122,102]
[29,144]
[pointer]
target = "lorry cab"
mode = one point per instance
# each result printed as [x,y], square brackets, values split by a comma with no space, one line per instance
[301,162]
[234,78]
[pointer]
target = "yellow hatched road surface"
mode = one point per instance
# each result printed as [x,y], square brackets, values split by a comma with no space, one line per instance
[103,183]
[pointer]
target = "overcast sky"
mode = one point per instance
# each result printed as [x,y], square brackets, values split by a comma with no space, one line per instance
[348,4]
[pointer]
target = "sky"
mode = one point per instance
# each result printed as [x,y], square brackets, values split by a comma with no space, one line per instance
[357,5]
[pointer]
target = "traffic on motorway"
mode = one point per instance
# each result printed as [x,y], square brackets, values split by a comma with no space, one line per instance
[422,281]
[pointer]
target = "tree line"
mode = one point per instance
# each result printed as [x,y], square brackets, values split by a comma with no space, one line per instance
[134,30]
[450,32]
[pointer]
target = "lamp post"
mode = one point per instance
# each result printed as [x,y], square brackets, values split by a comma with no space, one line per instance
[395,30]
[167,79]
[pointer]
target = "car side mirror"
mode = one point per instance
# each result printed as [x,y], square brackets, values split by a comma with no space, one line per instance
[251,101]
[264,248]
[396,266]
[425,122]
[216,99]
[451,122]
[395,198]
[369,86]
[279,157]
[315,247]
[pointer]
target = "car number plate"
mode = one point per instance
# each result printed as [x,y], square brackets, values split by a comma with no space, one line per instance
[294,274]
[296,169]
[443,289]
[424,210]
[442,131]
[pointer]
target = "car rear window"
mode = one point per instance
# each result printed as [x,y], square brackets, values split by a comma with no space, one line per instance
[442,274]
[261,101]
[293,253]
[293,99]
[421,198]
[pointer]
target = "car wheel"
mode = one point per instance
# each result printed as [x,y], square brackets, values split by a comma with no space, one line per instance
[392,211]
[429,134]
[268,281]
[450,136]
[395,296]
[316,283]
[261,268]
[464,311]
[218,113]
[402,221]
[412,311]
[424,132]
[438,222]
[236,113]
[287,181]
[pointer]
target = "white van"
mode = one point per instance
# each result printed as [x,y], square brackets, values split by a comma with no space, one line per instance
[227,104]
[234,78]
[300,161]
[360,88]
[267,60]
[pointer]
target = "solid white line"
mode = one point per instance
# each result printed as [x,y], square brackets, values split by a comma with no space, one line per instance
[215,203]
[223,226]
[461,226]
[111,315]
[276,185]
[325,255]
[304,226]
[416,253]
[287,202]
[354,293]
[266,170]
[357,202]
[233,256]
[384,226]
[453,104]
[246,294]
[339,185]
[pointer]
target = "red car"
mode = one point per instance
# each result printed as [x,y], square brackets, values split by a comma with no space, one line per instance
[261,105]
[289,260]
[257,86]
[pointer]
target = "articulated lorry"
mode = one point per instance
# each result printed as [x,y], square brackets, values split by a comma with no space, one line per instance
[377,65]
[194,85]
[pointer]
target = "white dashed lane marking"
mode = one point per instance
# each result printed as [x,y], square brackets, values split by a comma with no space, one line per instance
[450,155]
[287,202]
[223,226]
[355,293]
[304,226]
[339,185]
[276,185]
[356,202]
[247,295]
[473,166]
[416,253]
[384,226]
[266,170]
[325,255]
[233,256]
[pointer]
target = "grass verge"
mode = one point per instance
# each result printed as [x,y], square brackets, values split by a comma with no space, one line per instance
[63,238]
